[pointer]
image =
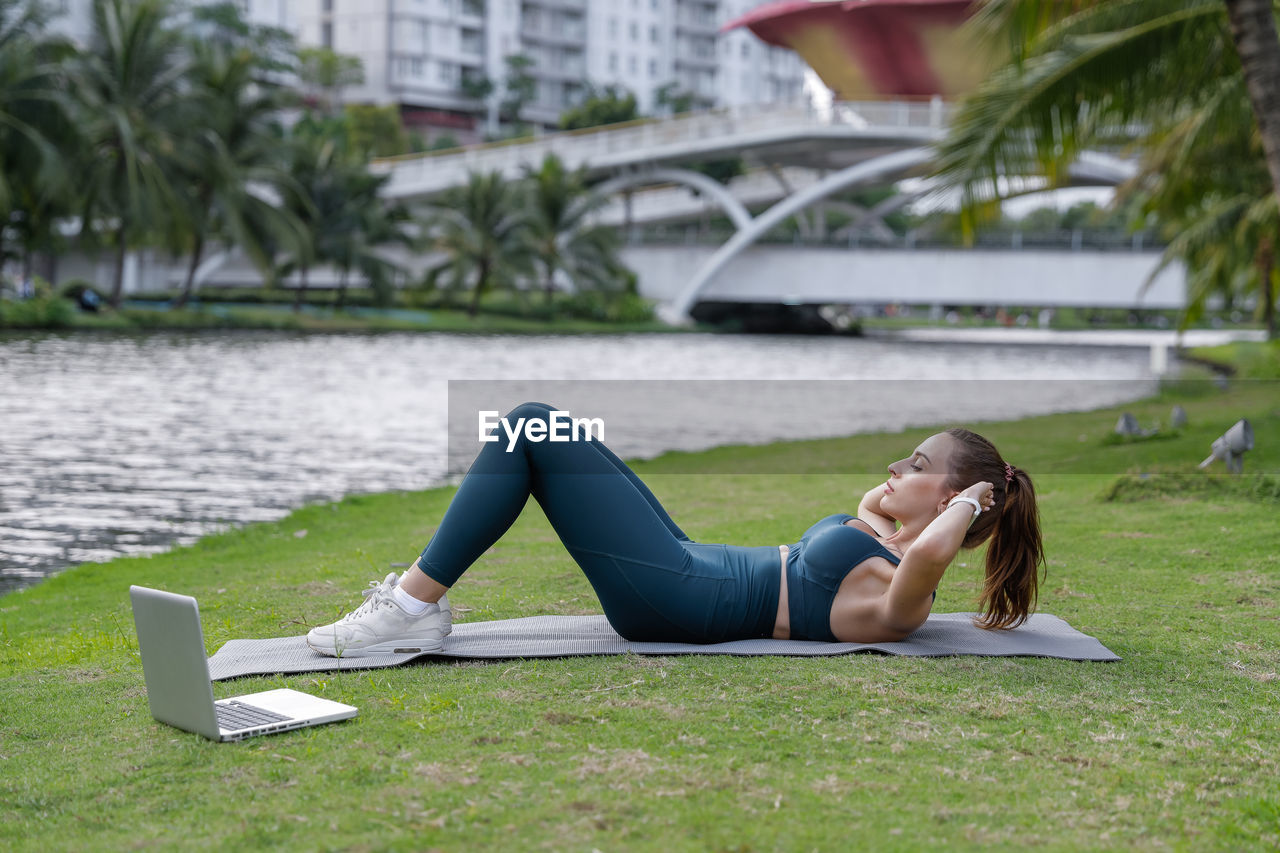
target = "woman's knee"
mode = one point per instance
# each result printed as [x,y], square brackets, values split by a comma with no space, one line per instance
[528,410]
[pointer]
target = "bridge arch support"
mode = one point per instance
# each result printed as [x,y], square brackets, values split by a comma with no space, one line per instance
[1092,166]
[713,189]
[677,311]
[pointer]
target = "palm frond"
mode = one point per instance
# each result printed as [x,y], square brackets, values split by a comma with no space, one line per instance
[1037,118]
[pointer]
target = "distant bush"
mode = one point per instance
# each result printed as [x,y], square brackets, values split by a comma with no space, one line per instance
[1172,483]
[360,298]
[42,312]
[72,288]
[608,308]
[626,306]
[598,306]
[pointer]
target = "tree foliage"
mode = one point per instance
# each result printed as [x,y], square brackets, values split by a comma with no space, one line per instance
[608,105]
[170,129]
[1159,79]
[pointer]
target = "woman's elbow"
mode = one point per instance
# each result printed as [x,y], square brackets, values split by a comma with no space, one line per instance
[930,555]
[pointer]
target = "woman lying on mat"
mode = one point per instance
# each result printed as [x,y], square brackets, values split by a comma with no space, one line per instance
[849,579]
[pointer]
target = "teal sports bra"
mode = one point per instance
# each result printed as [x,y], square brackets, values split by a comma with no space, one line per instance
[816,565]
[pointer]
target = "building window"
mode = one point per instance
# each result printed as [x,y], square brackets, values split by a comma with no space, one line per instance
[326,34]
[635,31]
[632,65]
[653,34]
[653,68]
[409,67]
[613,28]
[613,61]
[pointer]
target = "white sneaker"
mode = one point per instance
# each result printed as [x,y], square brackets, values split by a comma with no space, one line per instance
[381,626]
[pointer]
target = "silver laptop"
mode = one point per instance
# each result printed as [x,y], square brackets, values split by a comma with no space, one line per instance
[178,686]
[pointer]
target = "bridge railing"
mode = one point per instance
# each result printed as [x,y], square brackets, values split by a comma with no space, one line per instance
[1077,240]
[620,143]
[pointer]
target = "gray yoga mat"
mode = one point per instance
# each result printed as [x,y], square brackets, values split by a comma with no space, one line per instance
[1042,635]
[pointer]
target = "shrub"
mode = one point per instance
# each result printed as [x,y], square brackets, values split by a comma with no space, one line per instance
[73,288]
[1163,482]
[361,297]
[632,308]
[608,307]
[42,312]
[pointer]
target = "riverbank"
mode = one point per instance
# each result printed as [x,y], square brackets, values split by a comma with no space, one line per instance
[320,319]
[1245,359]
[575,314]
[1174,746]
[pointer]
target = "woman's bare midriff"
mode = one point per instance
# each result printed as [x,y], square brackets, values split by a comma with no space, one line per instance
[782,623]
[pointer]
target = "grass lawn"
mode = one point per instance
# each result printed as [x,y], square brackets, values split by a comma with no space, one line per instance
[1175,746]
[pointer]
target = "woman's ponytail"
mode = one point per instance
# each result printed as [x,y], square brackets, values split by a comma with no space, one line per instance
[1011,585]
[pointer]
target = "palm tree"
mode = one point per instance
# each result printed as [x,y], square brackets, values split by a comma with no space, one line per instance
[1253,29]
[378,225]
[34,186]
[127,93]
[232,166]
[336,199]
[317,196]
[1206,178]
[560,206]
[483,230]
[1126,74]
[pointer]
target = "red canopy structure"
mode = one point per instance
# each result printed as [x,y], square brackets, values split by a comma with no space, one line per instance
[878,49]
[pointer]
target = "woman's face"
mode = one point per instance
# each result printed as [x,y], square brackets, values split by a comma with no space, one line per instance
[917,484]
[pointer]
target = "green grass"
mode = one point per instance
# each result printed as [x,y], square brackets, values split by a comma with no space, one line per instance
[1064,319]
[1247,359]
[1174,746]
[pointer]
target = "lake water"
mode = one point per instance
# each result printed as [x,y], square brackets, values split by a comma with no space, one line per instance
[129,444]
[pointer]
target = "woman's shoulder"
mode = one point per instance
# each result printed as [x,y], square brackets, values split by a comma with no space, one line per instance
[865,527]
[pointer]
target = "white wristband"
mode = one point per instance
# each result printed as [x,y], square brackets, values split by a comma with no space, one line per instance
[977,507]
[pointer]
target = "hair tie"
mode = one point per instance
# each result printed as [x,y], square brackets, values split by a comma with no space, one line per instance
[1008,472]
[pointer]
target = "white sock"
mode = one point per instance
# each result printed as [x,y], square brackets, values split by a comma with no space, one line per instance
[411,604]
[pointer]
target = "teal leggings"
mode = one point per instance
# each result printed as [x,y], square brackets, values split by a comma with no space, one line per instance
[653,581]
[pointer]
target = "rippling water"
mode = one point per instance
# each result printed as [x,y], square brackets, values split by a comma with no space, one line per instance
[114,445]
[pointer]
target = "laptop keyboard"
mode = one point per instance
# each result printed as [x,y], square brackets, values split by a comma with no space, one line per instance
[237,715]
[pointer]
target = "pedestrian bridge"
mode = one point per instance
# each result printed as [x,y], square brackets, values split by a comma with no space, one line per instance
[781,133]
[843,147]
[793,275]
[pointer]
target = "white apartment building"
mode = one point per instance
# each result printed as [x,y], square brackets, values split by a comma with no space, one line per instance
[750,71]
[419,53]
